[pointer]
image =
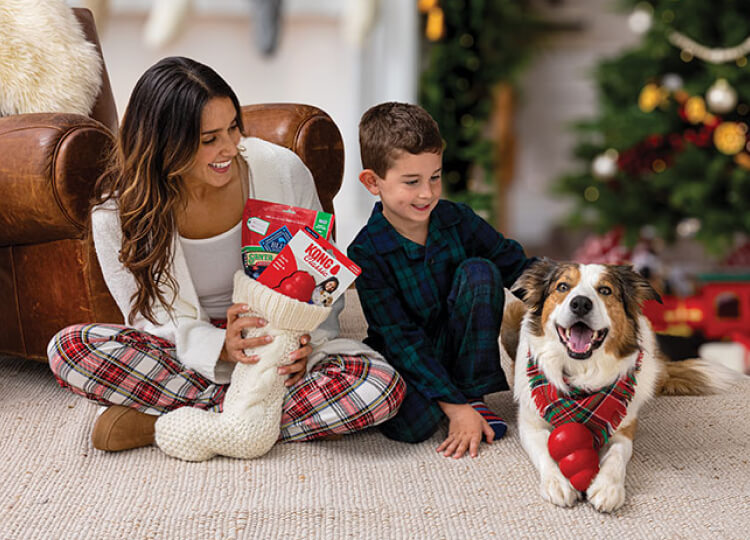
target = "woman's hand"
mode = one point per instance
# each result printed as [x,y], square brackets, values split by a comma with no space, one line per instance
[234,343]
[298,367]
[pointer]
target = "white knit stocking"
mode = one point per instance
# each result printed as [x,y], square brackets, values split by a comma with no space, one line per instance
[249,425]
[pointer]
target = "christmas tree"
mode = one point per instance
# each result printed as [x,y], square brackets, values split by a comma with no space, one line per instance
[469,49]
[668,151]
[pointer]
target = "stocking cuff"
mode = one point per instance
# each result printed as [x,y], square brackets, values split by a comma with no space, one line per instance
[278,309]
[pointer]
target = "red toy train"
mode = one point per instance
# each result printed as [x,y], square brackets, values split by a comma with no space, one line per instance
[720,310]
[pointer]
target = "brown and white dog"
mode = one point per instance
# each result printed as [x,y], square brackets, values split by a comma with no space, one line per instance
[581,328]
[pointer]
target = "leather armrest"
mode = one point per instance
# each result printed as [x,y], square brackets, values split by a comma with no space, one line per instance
[310,133]
[49,163]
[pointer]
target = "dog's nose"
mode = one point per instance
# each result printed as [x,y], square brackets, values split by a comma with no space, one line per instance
[580,305]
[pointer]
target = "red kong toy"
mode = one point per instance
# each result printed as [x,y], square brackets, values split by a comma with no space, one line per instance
[298,285]
[571,445]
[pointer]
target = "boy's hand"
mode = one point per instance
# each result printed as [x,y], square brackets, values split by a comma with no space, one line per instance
[465,430]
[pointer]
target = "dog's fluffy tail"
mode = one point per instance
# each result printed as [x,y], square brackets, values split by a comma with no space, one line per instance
[695,377]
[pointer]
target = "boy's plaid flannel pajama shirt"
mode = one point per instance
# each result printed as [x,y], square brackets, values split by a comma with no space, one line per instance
[434,311]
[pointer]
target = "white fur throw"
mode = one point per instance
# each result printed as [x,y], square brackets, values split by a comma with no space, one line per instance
[46,63]
[250,423]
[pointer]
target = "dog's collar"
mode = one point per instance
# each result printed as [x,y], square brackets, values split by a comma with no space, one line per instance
[600,411]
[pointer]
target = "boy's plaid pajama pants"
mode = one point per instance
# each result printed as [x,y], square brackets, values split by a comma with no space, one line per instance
[115,365]
[466,345]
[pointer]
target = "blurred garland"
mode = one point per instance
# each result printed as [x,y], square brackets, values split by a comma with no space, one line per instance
[470,46]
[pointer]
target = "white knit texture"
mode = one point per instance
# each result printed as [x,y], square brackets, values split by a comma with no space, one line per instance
[249,425]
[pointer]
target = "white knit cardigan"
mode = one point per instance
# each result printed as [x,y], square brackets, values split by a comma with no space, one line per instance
[277,175]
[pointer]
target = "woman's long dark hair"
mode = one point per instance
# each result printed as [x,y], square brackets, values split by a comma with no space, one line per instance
[157,141]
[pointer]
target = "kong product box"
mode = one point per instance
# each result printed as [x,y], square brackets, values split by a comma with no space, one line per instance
[310,269]
[268,227]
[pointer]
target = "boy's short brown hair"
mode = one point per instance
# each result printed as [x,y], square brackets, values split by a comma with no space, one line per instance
[390,127]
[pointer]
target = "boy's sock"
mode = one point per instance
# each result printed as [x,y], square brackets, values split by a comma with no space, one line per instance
[497,424]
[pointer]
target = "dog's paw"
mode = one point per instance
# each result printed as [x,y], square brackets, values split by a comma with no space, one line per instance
[556,489]
[605,494]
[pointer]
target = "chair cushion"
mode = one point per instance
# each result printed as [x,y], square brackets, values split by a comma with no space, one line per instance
[46,63]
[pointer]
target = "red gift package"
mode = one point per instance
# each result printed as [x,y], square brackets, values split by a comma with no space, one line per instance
[310,269]
[268,227]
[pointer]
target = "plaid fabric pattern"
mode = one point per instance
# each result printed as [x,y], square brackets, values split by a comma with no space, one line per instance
[467,345]
[341,395]
[417,419]
[600,411]
[113,364]
[466,348]
[404,289]
[116,365]
[219,323]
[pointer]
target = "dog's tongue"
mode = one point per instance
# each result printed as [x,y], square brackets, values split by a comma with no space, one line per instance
[580,337]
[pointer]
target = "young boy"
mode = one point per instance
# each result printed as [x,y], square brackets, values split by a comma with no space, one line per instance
[432,283]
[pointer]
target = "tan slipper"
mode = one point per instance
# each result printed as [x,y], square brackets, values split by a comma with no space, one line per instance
[331,437]
[122,428]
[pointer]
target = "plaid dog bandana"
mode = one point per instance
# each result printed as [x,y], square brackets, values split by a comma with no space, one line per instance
[600,411]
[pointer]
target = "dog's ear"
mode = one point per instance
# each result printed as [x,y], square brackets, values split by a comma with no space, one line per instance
[532,286]
[639,287]
[635,288]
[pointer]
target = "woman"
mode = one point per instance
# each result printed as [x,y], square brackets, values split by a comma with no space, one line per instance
[323,293]
[166,224]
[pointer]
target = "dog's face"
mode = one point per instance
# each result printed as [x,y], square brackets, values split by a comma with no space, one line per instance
[586,306]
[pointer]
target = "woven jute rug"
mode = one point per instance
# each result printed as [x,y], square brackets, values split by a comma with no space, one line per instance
[689,478]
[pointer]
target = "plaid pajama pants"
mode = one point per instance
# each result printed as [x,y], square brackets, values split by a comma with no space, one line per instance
[467,346]
[115,365]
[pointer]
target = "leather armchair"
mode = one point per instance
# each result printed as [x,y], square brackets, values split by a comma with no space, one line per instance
[49,162]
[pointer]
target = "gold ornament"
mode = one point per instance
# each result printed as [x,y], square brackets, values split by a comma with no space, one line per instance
[729,137]
[426,5]
[681,96]
[591,194]
[435,24]
[695,109]
[743,160]
[652,96]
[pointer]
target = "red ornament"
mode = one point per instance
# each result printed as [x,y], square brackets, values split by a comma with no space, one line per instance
[571,445]
[712,121]
[703,139]
[676,141]
[605,249]
[740,257]
[681,112]
[298,285]
[654,141]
